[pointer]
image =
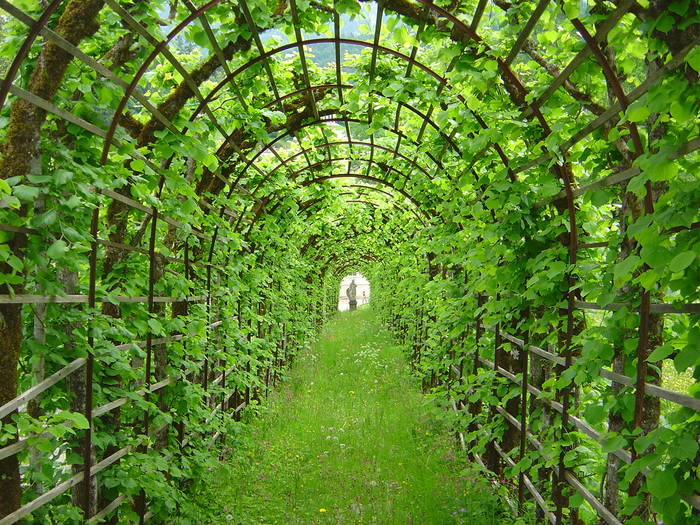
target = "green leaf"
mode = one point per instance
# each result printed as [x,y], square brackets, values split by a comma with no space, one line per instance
[661,352]
[155,326]
[682,111]
[38,179]
[664,171]
[654,255]
[685,359]
[594,414]
[61,177]
[679,7]
[636,184]
[45,219]
[685,448]
[57,250]
[16,263]
[623,270]
[77,418]
[642,443]
[572,9]
[44,445]
[693,59]
[599,197]
[400,35]
[58,431]
[638,112]
[200,38]
[72,202]
[138,165]
[615,442]
[665,22]
[349,7]
[26,193]
[662,484]
[681,261]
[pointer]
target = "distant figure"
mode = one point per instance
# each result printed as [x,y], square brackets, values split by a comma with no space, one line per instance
[351,292]
[364,297]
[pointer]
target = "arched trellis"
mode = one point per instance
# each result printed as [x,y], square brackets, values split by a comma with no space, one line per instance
[425,117]
[504,66]
[328,119]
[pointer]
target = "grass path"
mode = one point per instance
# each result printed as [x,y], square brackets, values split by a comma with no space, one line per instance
[348,438]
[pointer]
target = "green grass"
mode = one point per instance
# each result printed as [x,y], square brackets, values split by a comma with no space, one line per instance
[348,438]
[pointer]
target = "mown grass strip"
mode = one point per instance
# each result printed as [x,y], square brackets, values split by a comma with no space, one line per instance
[349,438]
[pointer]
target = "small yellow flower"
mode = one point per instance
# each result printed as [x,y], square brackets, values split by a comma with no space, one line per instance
[352,392]
[322,510]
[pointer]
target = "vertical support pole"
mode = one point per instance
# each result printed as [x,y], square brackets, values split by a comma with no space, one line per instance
[478,334]
[149,340]
[151,304]
[640,384]
[89,367]
[223,393]
[188,276]
[524,354]
[560,499]
[475,408]
[492,459]
[249,337]
[205,371]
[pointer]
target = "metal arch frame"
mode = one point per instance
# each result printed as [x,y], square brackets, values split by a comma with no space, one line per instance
[341,176]
[204,103]
[312,41]
[566,179]
[400,104]
[323,250]
[310,166]
[470,31]
[503,65]
[295,174]
[160,47]
[228,78]
[412,61]
[392,203]
[308,211]
[441,80]
[341,159]
[603,30]
[345,264]
[566,175]
[345,143]
[615,16]
[369,178]
[255,36]
[368,187]
[351,142]
[34,32]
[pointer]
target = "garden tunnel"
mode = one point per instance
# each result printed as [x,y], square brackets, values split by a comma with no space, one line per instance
[183,186]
